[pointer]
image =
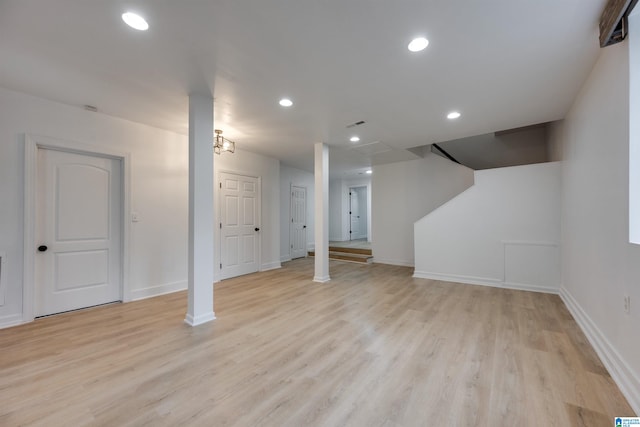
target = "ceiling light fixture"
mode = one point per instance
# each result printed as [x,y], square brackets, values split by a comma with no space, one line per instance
[368,171]
[286,102]
[453,115]
[135,21]
[418,44]
[220,143]
[354,139]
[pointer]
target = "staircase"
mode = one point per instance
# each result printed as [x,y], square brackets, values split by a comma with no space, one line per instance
[361,256]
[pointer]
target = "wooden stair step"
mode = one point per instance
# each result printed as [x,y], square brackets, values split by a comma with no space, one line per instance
[348,256]
[361,251]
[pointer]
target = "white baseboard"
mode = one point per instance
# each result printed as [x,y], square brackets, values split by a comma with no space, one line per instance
[11,320]
[321,279]
[530,288]
[484,281]
[399,262]
[154,291]
[270,266]
[199,320]
[285,258]
[627,380]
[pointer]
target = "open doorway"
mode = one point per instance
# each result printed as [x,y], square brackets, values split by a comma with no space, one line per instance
[358,213]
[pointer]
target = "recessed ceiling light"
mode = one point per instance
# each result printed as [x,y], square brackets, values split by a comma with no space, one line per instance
[354,139]
[369,171]
[286,102]
[453,115]
[418,44]
[135,21]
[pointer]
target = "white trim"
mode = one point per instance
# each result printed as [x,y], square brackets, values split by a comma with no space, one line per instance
[270,266]
[469,280]
[483,281]
[626,379]
[31,145]
[3,277]
[399,262]
[154,291]
[321,279]
[29,247]
[11,320]
[530,288]
[199,320]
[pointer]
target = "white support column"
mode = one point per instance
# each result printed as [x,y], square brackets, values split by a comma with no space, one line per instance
[321,175]
[200,304]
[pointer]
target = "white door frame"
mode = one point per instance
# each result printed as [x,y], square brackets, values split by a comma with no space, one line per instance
[217,255]
[32,143]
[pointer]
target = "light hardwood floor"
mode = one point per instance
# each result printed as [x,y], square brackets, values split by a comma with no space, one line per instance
[372,347]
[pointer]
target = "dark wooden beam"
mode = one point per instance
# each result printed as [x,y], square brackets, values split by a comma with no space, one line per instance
[612,22]
[447,155]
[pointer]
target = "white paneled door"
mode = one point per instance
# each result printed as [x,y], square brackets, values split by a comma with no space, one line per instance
[239,225]
[298,222]
[78,231]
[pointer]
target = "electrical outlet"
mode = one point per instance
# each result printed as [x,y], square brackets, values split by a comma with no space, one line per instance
[627,304]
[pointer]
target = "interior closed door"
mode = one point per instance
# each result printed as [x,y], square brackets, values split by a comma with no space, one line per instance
[239,225]
[298,222]
[78,231]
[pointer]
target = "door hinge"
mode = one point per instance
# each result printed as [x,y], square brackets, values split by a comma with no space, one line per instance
[221,186]
[220,265]
[291,219]
[291,246]
[220,226]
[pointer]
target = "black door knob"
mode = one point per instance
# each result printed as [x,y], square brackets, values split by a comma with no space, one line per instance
[304,226]
[42,248]
[257,229]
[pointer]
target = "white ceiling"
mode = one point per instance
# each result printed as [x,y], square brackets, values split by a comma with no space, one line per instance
[501,63]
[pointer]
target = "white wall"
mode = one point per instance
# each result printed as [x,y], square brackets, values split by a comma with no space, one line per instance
[503,231]
[291,176]
[268,170]
[599,265]
[404,192]
[159,183]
